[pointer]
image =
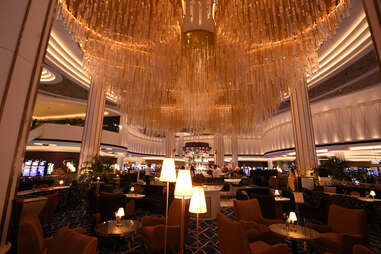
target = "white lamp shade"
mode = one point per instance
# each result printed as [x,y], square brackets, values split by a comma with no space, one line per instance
[61,182]
[168,170]
[120,212]
[183,187]
[372,193]
[276,192]
[292,217]
[197,203]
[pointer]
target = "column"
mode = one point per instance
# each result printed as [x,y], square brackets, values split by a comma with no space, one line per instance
[180,145]
[270,164]
[92,131]
[234,144]
[220,151]
[123,130]
[303,130]
[24,28]
[170,144]
[373,9]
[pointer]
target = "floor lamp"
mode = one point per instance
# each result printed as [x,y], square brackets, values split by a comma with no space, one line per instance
[168,174]
[197,206]
[183,190]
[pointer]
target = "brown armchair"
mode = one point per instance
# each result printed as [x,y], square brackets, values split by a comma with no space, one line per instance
[50,208]
[346,227]
[361,249]
[30,239]
[233,239]
[250,210]
[153,227]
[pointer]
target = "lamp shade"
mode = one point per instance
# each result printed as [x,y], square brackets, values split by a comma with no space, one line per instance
[292,217]
[183,187]
[372,193]
[168,170]
[276,192]
[120,212]
[197,203]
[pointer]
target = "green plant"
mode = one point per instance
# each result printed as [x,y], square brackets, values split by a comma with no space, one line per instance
[333,166]
[98,166]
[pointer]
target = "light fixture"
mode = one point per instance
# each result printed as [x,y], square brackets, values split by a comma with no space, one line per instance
[98,178]
[183,190]
[372,194]
[200,79]
[197,206]
[132,189]
[118,215]
[293,217]
[276,193]
[61,182]
[167,174]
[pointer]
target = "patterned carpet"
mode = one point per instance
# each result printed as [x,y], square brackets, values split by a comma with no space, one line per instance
[208,234]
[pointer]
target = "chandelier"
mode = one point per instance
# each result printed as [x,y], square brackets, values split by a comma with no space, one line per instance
[200,65]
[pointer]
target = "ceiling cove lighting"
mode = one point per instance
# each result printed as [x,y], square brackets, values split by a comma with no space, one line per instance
[66,116]
[357,148]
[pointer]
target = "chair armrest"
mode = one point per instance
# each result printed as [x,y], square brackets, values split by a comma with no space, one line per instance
[79,230]
[152,221]
[349,240]
[269,222]
[279,248]
[49,243]
[319,228]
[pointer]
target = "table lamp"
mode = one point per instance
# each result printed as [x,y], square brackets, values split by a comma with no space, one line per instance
[197,206]
[292,217]
[98,178]
[119,214]
[372,193]
[184,191]
[132,189]
[276,193]
[61,182]
[167,174]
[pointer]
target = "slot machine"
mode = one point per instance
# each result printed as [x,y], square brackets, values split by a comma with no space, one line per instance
[34,168]
[41,168]
[27,167]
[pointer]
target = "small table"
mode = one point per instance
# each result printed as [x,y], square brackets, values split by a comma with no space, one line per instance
[294,232]
[110,229]
[135,195]
[369,199]
[282,199]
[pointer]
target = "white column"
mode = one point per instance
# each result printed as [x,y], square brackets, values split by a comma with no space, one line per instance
[234,144]
[303,130]
[180,145]
[92,131]
[270,164]
[220,151]
[24,28]
[124,130]
[169,145]
[373,9]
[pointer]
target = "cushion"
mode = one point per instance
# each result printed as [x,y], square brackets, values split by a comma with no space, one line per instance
[258,246]
[79,243]
[349,221]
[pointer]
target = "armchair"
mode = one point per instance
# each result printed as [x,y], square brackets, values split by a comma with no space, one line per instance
[250,210]
[361,249]
[233,239]
[153,228]
[30,239]
[346,227]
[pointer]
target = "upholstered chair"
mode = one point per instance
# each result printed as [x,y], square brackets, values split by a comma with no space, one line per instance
[153,227]
[346,227]
[361,249]
[31,240]
[50,208]
[233,239]
[250,210]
